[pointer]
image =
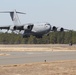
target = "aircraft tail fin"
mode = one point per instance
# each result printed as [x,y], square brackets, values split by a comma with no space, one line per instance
[14,16]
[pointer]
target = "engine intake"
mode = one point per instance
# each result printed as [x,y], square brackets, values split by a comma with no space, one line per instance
[28,27]
[61,29]
[54,28]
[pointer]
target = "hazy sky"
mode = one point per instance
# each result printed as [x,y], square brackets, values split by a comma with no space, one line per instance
[60,13]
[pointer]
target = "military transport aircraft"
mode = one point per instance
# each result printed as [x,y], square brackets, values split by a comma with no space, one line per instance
[37,29]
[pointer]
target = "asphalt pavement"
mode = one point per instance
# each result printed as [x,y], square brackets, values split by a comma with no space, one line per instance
[31,57]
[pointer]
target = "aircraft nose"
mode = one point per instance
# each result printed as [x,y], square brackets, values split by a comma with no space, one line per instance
[48,27]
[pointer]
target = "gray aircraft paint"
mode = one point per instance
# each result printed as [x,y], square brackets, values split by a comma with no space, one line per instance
[38,29]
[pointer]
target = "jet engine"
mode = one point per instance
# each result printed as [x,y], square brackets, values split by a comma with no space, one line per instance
[12,27]
[54,28]
[61,29]
[28,27]
[25,27]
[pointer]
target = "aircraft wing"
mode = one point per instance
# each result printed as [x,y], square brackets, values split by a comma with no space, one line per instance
[12,27]
[54,28]
[21,27]
[5,27]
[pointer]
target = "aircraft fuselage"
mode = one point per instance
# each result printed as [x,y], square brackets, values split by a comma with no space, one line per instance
[38,30]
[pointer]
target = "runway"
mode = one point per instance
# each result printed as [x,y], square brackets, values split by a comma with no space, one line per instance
[31,57]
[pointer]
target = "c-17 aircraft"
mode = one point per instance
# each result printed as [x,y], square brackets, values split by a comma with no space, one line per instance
[37,29]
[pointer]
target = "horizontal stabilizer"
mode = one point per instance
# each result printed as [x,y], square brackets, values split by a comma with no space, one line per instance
[12,12]
[14,16]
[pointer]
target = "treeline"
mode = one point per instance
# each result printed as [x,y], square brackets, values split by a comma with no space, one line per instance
[52,38]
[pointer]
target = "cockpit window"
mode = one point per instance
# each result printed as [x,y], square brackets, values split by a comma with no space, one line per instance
[47,24]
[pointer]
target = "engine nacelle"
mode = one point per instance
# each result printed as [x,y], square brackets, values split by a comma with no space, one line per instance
[12,27]
[61,29]
[28,27]
[25,27]
[54,28]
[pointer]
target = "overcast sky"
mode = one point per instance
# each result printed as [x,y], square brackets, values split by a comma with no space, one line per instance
[60,13]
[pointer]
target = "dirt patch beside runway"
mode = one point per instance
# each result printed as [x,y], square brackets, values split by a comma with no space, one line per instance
[4,54]
[38,47]
[45,68]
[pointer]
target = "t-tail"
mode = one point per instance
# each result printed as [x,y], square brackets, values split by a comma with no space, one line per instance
[14,16]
